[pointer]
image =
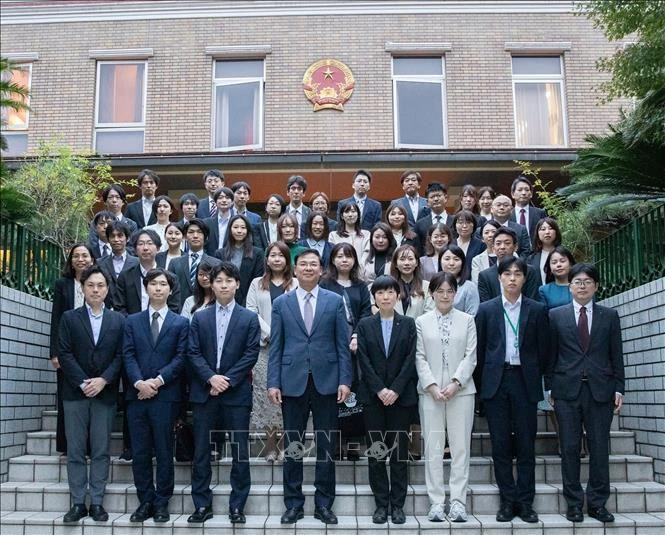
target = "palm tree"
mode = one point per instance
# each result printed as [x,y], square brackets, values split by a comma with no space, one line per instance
[12,95]
[627,165]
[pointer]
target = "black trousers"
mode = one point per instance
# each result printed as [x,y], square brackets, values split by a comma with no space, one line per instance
[211,419]
[597,419]
[60,436]
[151,428]
[295,412]
[387,431]
[510,410]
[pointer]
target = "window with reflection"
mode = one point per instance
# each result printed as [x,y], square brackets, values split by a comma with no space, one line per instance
[15,122]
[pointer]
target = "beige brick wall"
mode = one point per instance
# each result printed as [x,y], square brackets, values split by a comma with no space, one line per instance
[178,119]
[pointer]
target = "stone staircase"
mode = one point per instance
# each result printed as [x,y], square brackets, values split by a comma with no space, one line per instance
[36,496]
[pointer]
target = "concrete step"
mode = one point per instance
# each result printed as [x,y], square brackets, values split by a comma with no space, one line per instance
[621,442]
[53,469]
[480,424]
[50,523]
[353,500]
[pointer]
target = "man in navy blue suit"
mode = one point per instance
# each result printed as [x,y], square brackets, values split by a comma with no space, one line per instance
[223,348]
[241,194]
[370,210]
[213,179]
[413,203]
[309,365]
[154,348]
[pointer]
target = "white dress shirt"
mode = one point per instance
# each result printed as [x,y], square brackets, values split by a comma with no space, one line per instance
[512,340]
[222,317]
[301,293]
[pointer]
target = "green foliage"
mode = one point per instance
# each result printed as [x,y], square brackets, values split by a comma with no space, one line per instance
[640,65]
[63,187]
[15,205]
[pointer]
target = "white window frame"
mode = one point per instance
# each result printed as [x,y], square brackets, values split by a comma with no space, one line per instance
[219,82]
[120,127]
[558,79]
[423,78]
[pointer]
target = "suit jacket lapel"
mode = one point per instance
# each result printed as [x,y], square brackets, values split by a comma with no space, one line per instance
[394,335]
[106,319]
[524,319]
[321,304]
[165,325]
[292,303]
[138,281]
[232,323]
[596,322]
[83,315]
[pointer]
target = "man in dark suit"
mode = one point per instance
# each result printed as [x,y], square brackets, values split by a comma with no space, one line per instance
[370,210]
[387,355]
[502,207]
[296,186]
[489,286]
[218,225]
[184,267]
[213,179]
[141,211]
[513,353]
[119,260]
[223,348]
[114,197]
[90,354]
[154,348]
[524,213]
[241,194]
[437,197]
[309,365]
[414,204]
[189,205]
[102,248]
[586,378]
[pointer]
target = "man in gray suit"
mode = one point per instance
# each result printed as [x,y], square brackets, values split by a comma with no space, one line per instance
[586,379]
[309,364]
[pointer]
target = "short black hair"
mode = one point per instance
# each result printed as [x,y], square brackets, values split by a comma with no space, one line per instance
[436,187]
[117,226]
[305,252]
[213,172]
[223,190]
[114,187]
[197,222]
[147,173]
[507,231]
[104,214]
[156,272]
[363,172]
[584,268]
[510,261]
[298,180]
[519,179]
[241,184]
[228,268]
[188,197]
[161,198]
[466,215]
[279,199]
[384,282]
[150,233]
[439,279]
[91,270]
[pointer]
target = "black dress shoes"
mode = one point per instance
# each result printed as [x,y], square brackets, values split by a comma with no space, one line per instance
[574,514]
[291,516]
[126,455]
[236,516]
[526,513]
[142,513]
[601,514]
[397,515]
[200,515]
[505,513]
[325,515]
[161,514]
[98,513]
[76,513]
[380,516]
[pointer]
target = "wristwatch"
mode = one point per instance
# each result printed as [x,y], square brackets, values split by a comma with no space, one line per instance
[456,380]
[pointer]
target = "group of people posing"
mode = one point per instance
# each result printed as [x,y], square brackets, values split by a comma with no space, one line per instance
[411,323]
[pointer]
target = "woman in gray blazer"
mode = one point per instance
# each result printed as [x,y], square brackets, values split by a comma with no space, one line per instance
[445,360]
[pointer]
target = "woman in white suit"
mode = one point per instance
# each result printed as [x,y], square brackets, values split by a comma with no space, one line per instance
[482,261]
[414,299]
[445,360]
[276,280]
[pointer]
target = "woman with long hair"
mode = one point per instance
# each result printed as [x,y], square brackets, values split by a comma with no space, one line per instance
[381,247]
[349,231]
[276,280]
[468,199]
[173,235]
[317,232]
[203,295]
[453,260]
[164,209]
[68,295]
[343,278]
[288,232]
[438,237]
[464,226]
[486,195]
[320,203]
[239,250]
[266,231]
[547,238]
[398,220]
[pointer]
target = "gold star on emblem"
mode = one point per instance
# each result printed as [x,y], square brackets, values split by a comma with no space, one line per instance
[328,73]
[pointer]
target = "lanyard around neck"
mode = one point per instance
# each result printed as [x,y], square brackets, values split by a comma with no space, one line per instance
[513,327]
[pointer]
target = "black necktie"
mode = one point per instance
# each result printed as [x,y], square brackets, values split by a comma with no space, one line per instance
[154,326]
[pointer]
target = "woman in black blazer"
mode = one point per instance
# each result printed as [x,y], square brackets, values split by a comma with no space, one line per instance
[317,230]
[239,250]
[342,277]
[387,355]
[464,227]
[68,294]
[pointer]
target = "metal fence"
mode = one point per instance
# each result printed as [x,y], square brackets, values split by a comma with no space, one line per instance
[29,263]
[633,255]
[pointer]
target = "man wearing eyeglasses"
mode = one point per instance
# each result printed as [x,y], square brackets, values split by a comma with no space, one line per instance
[586,382]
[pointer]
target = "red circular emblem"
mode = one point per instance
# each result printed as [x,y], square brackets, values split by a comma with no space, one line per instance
[328,83]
